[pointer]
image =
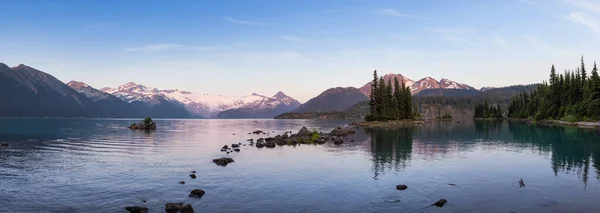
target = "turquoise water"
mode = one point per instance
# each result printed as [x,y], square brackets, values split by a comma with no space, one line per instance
[84,165]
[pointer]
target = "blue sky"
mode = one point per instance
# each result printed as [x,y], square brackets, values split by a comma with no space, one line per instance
[299,47]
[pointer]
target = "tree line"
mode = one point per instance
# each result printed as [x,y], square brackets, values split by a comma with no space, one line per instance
[486,110]
[389,101]
[570,96]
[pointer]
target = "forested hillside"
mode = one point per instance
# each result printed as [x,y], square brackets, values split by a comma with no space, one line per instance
[570,96]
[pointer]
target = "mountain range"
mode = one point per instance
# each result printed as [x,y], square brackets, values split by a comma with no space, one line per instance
[34,93]
[420,85]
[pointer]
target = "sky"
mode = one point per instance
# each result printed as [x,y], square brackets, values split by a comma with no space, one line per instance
[300,47]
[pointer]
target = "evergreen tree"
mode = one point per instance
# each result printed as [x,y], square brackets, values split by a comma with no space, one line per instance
[392,103]
[399,97]
[373,97]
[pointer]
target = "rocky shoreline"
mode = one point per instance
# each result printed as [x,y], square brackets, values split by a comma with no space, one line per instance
[578,124]
[388,124]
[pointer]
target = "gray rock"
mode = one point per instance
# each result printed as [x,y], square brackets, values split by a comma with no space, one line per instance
[173,207]
[197,193]
[136,209]
[304,132]
[187,208]
[401,187]
[223,161]
[440,203]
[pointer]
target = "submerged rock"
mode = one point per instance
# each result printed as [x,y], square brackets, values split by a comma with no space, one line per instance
[440,203]
[173,207]
[197,193]
[136,209]
[401,187]
[181,182]
[223,161]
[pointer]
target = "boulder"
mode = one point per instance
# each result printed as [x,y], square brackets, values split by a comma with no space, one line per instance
[260,140]
[136,209]
[338,141]
[197,193]
[270,144]
[440,203]
[339,131]
[236,150]
[269,139]
[260,145]
[223,161]
[187,208]
[401,187]
[304,131]
[235,145]
[193,176]
[173,207]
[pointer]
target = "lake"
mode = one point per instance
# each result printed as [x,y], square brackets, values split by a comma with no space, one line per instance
[98,165]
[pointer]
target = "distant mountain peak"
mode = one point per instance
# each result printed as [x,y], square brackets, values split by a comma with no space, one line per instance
[280,94]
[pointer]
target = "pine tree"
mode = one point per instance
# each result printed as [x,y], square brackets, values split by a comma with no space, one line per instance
[408,105]
[373,96]
[399,97]
[393,109]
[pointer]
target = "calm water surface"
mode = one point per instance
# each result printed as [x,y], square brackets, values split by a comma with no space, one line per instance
[79,165]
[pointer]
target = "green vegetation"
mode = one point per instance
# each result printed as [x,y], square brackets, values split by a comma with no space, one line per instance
[572,96]
[314,136]
[389,102]
[147,121]
[487,111]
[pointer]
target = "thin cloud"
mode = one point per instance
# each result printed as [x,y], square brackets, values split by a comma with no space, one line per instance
[315,12]
[392,12]
[153,47]
[245,22]
[584,19]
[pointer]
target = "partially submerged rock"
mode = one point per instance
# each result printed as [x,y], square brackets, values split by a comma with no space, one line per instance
[193,176]
[401,187]
[235,145]
[303,132]
[136,209]
[440,203]
[173,207]
[181,182]
[197,193]
[223,161]
[258,132]
[187,208]
[148,124]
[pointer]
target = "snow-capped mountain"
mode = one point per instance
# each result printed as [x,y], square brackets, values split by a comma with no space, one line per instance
[366,89]
[205,105]
[420,85]
[450,84]
[423,84]
[88,91]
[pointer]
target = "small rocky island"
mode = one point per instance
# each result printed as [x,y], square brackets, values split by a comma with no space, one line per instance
[147,124]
